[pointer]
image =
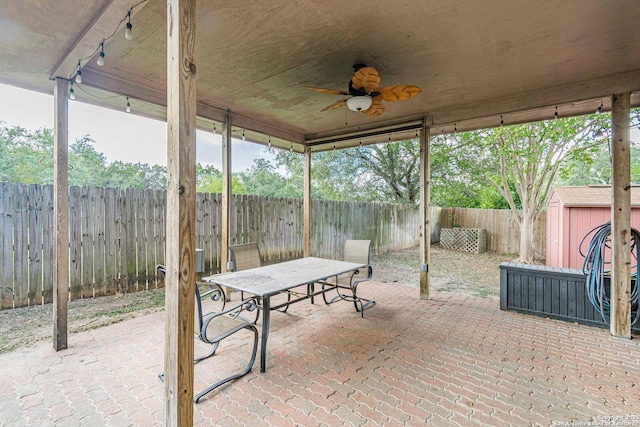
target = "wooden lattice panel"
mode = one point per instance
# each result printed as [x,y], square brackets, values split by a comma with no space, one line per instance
[472,240]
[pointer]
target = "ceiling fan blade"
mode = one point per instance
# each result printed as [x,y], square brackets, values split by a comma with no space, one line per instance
[399,92]
[366,78]
[377,108]
[336,105]
[327,91]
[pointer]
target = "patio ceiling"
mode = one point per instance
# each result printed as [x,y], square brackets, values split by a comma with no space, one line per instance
[474,61]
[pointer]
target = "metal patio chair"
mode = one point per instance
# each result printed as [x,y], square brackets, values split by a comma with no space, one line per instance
[214,326]
[357,251]
[246,256]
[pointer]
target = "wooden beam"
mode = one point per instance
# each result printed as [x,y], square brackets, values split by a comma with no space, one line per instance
[425,212]
[621,218]
[181,213]
[61,214]
[307,202]
[225,217]
[541,98]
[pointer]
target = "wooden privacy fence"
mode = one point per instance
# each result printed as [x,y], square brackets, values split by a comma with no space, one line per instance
[503,230]
[117,236]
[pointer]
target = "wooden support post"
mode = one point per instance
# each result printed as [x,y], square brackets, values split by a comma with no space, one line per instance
[307,202]
[621,218]
[181,213]
[425,212]
[61,214]
[225,217]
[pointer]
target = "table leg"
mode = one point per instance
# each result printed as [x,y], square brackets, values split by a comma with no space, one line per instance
[266,321]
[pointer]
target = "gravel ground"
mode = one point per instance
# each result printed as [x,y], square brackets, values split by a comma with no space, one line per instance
[477,274]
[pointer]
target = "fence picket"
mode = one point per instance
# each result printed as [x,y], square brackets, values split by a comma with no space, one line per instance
[86,258]
[6,246]
[47,245]
[35,244]
[99,241]
[75,243]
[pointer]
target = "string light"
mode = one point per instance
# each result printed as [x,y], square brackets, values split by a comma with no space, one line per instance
[389,137]
[127,32]
[555,116]
[501,121]
[128,107]
[269,144]
[72,94]
[243,138]
[291,148]
[215,131]
[100,60]
[455,128]
[79,74]
[599,110]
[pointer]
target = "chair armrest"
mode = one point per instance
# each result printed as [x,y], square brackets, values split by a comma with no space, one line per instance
[248,305]
[357,278]
[218,325]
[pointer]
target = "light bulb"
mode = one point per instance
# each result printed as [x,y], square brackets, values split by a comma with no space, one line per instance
[555,115]
[79,75]
[100,60]
[501,121]
[243,138]
[128,108]
[72,95]
[599,110]
[127,33]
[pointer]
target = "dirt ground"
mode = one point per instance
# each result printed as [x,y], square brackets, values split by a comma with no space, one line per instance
[477,274]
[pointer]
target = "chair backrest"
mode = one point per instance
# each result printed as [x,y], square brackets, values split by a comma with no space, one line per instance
[357,251]
[245,256]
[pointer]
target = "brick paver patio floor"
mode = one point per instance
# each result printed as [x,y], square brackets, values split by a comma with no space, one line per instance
[452,360]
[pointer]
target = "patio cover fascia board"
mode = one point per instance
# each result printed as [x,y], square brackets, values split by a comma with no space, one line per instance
[204,111]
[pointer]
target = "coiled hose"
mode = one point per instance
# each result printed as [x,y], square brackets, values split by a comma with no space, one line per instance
[599,278]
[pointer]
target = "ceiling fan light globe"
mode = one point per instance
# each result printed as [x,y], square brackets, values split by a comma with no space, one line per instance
[359,103]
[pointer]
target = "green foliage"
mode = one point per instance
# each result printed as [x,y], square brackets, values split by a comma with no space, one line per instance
[263,179]
[28,157]
[209,180]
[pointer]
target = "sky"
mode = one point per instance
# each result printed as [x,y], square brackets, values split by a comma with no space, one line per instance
[119,135]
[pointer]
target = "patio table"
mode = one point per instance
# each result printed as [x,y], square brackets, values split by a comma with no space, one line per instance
[269,280]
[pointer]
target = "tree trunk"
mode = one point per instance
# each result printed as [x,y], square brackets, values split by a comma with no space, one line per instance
[527,254]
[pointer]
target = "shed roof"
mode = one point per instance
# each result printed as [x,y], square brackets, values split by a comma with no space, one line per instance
[591,196]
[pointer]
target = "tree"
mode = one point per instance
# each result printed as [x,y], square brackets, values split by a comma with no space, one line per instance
[528,158]
[393,169]
[262,179]
[384,172]
[27,156]
[209,180]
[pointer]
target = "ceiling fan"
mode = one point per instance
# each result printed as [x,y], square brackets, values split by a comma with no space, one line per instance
[365,94]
